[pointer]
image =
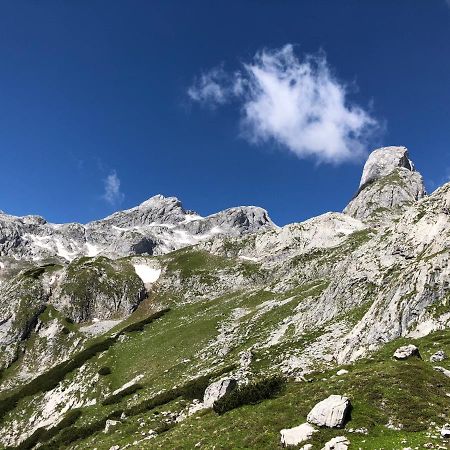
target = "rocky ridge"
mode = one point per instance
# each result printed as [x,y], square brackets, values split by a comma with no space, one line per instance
[251,300]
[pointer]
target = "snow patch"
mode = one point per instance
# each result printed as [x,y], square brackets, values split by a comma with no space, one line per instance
[99,326]
[146,273]
[92,250]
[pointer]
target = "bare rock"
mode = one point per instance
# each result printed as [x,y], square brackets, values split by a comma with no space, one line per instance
[331,412]
[438,356]
[407,351]
[217,390]
[337,443]
[297,435]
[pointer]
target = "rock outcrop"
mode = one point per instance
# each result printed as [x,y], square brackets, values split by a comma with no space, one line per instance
[337,443]
[297,435]
[388,185]
[407,351]
[217,390]
[331,412]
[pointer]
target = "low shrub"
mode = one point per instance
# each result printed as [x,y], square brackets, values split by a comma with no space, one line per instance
[116,398]
[105,370]
[249,394]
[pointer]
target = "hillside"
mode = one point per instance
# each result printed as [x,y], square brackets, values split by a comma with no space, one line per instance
[111,332]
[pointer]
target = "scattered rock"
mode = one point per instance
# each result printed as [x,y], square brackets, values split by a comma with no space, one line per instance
[407,351]
[446,372]
[217,390]
[114,447]
[438,356]
[306,447]
[297,435]
[337,443]
[110,425]
[331,412]
[445,431]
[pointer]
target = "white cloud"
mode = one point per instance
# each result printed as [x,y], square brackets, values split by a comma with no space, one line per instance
[112,193]
[297,104]
[211,88]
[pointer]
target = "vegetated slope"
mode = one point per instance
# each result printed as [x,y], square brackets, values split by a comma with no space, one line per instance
[299,302]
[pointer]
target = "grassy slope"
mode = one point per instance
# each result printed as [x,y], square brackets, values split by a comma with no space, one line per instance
[168,352]
[407,393]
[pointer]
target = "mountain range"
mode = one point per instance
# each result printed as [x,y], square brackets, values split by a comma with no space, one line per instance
[158,328]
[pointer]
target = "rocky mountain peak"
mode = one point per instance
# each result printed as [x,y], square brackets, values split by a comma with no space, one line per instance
[388,185]
[384,161]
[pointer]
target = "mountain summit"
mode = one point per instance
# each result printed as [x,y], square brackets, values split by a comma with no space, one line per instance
[389,183]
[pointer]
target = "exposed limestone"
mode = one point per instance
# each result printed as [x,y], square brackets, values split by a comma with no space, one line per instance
[407,351]
[438,356]
[337,443]
[331,412]
[217,390]
[388,185]
[297,435]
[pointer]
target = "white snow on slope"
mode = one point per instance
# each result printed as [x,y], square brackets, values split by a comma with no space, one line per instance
[147,274]
[92,250]
[99,327]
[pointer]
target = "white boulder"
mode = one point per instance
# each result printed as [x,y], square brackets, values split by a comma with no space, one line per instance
[331,412]
[438,356]
[446,372]
[110,425]
[341,372]
[337,443]
[445,431]
[296,435]
[217,390]
[407,351]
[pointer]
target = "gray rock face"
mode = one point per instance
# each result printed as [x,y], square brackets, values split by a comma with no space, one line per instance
[388,185]
[157,226]
[331,412]
[407,351]
[217,390]
[383,161]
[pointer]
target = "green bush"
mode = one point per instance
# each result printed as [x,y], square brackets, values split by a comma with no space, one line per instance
[105,370]
[116,398]
[249,394]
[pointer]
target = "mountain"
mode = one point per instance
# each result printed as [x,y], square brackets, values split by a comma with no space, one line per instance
[279,330]
[158,225]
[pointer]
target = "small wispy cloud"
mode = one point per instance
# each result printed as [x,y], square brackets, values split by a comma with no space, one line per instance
[112,193]
[297,104]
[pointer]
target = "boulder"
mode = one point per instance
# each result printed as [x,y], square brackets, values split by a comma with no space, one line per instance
[446,372]
[111,425]
[337,443]
[296,435]
[217,390]
[445,431]
[331,412]
[438,356]
[341,372]
[306,447]
[114,447]
[407,351]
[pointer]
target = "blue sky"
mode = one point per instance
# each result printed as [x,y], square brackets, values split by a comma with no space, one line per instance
[106,103]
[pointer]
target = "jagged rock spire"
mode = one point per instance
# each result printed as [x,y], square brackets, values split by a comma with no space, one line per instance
[389,183]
